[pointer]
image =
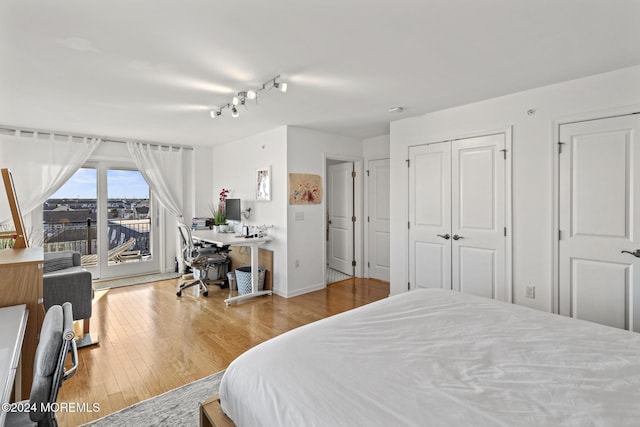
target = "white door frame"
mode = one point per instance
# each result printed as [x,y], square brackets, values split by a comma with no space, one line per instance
[359,211]
[555,202]
[508,134]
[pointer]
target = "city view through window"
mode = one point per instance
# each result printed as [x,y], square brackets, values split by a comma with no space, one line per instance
[70,217]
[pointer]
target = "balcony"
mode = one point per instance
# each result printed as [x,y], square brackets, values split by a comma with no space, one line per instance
[81,237]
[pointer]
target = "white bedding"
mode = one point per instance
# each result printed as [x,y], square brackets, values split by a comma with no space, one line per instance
[438,358]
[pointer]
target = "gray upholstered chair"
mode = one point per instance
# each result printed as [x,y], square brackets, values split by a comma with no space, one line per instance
[197,260]
[64,280]
[56,342]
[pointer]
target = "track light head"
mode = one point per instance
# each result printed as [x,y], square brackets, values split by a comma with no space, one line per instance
[282,87]
[234,112]
[215,113]
[252,94]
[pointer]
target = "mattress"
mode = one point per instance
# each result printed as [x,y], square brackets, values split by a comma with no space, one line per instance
[438,358]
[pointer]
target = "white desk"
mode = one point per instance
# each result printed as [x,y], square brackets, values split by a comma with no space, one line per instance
[13,322]
[230,239]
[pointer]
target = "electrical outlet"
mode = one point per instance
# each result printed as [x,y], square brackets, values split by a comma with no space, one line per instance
[530,291]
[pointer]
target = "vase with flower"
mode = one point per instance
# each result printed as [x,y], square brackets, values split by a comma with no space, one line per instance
[219,213]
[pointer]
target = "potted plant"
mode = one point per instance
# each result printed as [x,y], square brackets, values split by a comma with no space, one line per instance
[220,214]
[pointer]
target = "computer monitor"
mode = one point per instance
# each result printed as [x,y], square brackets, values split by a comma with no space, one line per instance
[233,210]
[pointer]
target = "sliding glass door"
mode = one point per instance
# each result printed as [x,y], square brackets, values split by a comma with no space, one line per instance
[105,212]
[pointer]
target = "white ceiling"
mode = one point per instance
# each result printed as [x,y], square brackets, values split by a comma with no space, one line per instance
[152,69]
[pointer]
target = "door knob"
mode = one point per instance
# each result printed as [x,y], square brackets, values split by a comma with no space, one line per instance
[635,253]
[445,236]
[456,237]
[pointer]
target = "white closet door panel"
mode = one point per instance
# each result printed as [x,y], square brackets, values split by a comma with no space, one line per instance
[477,188]
[599,218]
[599,206]
[599,290]
[477,271]
[433,269]
[478,215]
[430,215]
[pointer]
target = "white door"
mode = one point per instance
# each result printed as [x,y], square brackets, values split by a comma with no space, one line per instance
[457,215]
[378,219]
[599,181]
[478,216]
[340,206]
[430,216]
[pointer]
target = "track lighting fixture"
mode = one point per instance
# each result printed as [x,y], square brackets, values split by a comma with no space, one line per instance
[252,94]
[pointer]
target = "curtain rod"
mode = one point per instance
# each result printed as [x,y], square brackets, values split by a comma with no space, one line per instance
[18,131]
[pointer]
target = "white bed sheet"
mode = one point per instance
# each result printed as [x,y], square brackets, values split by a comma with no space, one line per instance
[438,358]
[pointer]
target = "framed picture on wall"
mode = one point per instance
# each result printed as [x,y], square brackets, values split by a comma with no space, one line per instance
[263,183]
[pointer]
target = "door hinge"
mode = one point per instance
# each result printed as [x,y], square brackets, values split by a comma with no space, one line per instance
[368,219]
[505,232]
[408,286]
[353,263]
[367,172]
[368,264]
[353,174]
[504,152]
[353,219]
[559,234]
[409,225]
[560,144]
[408,162]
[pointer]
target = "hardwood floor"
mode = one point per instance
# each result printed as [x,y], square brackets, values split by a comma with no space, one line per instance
[152,341]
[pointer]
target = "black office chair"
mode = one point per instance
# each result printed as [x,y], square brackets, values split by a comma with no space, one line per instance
[56,341]
[194,259]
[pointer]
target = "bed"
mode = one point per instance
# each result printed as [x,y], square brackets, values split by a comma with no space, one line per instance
[438,358]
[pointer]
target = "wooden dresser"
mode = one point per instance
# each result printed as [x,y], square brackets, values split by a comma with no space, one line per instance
[21,283]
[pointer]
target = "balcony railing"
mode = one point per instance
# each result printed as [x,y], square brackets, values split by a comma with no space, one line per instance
[78,236]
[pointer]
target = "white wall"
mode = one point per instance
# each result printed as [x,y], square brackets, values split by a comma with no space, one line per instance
[376,147]
[234,167]
[307,153]
[533,161]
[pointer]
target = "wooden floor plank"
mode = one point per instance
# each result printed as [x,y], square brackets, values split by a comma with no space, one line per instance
[151,341]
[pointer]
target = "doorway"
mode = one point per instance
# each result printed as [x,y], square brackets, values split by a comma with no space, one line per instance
[105,213]
[599,224]
[378,241]
[343,234]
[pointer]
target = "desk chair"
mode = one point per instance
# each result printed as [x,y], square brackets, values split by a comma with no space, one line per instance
[56,341]
[196,260]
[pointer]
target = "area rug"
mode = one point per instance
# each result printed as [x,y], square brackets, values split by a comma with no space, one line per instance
[178,407]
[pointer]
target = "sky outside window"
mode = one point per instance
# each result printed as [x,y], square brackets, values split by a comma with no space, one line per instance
[121,184]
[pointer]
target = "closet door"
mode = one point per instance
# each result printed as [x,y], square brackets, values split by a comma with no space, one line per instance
[457,216]
[600,221]
[478,216]
[430,216]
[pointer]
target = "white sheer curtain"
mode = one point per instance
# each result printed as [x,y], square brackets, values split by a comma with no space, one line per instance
[161,166]
[40,164]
